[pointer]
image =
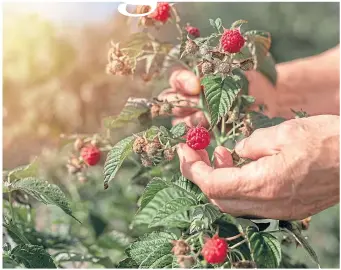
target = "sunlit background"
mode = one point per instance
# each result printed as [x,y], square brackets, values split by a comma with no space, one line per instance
[55,81]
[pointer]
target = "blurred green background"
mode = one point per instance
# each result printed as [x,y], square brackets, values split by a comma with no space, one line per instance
[55,82]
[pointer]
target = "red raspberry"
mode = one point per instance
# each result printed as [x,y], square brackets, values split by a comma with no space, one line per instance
[198,138]
[91,155]
[195,32]
[161,13]
[215,250]
[232,40]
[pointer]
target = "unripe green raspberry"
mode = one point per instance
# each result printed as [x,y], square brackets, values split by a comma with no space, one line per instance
[191,47]
[207,68]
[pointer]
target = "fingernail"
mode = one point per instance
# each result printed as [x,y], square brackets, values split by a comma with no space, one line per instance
[239,147]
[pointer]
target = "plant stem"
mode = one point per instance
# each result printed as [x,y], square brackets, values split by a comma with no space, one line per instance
[223,126]
[234,237]
[238,244]
[11,206]
[232,131]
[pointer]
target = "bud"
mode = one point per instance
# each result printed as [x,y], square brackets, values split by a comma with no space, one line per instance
[186,261]
[169,154]
[180,247]
[155,110]
[166,109]
[145,161]
[139,145]
[78,144]
[191,47]
[207,68]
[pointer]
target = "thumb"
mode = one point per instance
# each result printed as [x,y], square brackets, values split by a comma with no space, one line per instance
[261,143]
[185,82]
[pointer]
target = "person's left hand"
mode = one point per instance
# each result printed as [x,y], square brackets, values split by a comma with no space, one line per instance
[294,173]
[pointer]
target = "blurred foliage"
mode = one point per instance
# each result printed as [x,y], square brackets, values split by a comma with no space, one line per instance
[54,82]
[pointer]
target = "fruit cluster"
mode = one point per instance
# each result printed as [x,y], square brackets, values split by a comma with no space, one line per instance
[152,152]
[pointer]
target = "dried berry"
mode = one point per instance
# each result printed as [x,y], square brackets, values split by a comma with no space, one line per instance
[152,148]
[215,250]
[232,40]
[161,13]
[169,154]
[91,155]
[198,138]
[78,144]
[155,110]
[180,247]
[186,261]
[145,161]
[193,31]
[139,145]
[115,66]
[223,68]
[191,47]
[207,67]
[166,108]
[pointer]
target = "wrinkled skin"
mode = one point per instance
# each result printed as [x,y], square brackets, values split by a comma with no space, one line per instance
[293,175]
[295,167]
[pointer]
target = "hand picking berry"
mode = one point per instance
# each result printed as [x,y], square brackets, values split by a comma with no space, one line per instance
[91,155]
[232,40]
[198,138]
[215,250]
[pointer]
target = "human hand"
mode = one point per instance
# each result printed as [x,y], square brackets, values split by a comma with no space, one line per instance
[185,86]
[294,173]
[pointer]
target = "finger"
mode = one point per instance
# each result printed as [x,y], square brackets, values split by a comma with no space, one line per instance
[222,158]
[192,165]
[261,143]
[183,103]
[192,120]
[204,156]
[184,81]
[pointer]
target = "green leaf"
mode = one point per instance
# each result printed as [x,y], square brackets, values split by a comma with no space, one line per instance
[247,101]
[218,24]
[133,109]
[261,41]
[119,153]
[127,263]
[265,247]
[220,95]
[14,231]
[294,229]
[114,240]
[300,114]
[150,191]
[173,212]
[202,216]
[178,130]
[153,250]
[238,23]
[268,68]
[30,170]
[32,256]
[135,44]
[44,192]
[162,203]
[259,120]
[187,185]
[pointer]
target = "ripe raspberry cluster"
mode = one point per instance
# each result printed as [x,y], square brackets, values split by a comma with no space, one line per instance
[232,40]
[161,13]
[215,250]
[198,138]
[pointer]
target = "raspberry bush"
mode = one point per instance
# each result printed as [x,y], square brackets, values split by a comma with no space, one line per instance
[175,225]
